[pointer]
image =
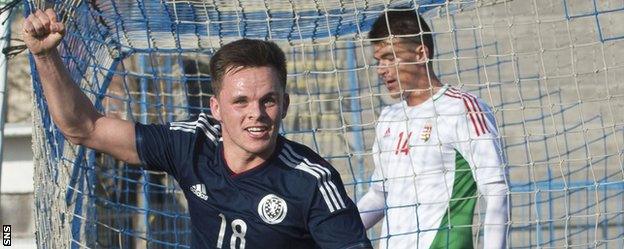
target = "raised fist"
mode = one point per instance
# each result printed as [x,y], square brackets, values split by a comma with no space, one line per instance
[42,32]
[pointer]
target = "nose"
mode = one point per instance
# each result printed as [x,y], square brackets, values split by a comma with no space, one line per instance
[382,70]
[256,111]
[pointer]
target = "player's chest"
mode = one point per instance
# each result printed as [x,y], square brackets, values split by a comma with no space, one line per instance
[262,203]
[256,212]
[401,138]
[235,229]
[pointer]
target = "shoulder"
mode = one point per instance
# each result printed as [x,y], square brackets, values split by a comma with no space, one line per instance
[205,126]
[297,153]
[304,162]
[389,112]
[470,109]
[315,174]
[457,100]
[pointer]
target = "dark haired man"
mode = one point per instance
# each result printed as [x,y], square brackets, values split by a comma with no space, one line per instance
[432,151]
[251,188]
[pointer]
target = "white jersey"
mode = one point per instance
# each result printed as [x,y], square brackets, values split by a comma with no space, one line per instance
[429,159]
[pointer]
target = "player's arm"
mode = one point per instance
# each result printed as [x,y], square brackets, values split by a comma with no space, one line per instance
[333,218]
[70,109]
[496,214]
[483,152]
[373,203]
[371,207]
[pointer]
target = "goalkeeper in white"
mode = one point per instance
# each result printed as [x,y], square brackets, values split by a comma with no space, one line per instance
[436,152]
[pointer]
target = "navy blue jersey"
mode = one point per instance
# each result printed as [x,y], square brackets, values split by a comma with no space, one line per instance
[294,200]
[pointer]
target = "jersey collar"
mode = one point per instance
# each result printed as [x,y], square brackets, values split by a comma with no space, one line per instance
[262,166]
[436,96]
[440,92]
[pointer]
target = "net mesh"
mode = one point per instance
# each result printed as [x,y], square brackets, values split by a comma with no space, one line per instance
[551,70]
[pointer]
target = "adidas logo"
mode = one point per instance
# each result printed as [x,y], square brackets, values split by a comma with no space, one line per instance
[387,134]
[200,191]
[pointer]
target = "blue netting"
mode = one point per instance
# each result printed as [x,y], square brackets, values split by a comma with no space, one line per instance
[553,84]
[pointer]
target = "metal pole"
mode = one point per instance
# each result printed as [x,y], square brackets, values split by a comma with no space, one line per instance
[145,64]
[5,30]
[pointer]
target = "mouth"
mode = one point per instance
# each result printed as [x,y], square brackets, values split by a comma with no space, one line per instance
[390,84]
[257,131]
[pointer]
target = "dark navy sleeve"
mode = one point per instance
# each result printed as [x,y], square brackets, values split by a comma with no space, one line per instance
[165,147]
[334,220]
[161,149]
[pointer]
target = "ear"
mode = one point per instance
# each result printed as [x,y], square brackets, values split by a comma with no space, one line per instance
[285,105]
[422,53]
[215,108]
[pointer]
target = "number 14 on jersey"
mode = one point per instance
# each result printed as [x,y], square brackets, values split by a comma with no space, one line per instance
[403,144]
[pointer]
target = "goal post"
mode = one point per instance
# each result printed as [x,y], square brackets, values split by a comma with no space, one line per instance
[551,71]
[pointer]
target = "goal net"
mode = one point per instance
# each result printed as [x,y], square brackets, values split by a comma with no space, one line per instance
[551,70]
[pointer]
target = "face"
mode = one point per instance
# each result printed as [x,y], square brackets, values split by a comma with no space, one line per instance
[402,66]
[250,107]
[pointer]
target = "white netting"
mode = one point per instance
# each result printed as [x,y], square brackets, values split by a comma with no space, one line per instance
[550,69]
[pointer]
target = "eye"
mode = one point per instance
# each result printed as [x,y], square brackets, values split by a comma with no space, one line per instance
[270,101]
[386,60]
[239,101]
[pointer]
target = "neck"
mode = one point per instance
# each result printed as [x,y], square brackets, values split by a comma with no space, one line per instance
[429,86]
[239,160]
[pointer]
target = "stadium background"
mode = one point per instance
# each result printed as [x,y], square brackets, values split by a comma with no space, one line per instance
[550,69]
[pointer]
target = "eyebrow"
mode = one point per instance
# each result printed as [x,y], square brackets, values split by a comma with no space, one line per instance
[384,55]
[239,97]
[270,94]
[244,97]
